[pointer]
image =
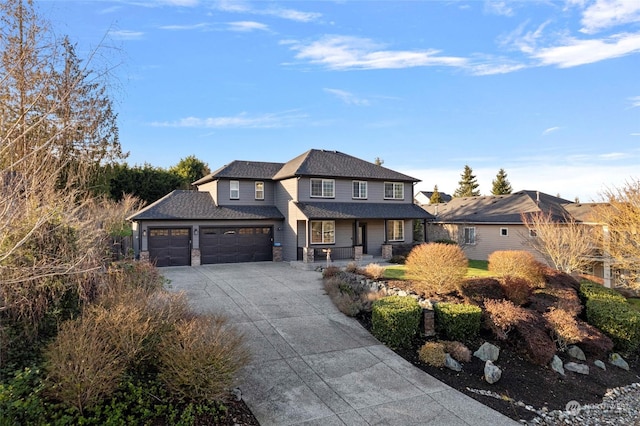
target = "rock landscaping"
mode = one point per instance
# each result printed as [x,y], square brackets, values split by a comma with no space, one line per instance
[528,369]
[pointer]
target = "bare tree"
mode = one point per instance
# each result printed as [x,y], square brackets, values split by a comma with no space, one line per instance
[621,236]
[568,245]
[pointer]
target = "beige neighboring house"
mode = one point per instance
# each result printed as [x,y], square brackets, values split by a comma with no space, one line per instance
[482,225]
[424,197]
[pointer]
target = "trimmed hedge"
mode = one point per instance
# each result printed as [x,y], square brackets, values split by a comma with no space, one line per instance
[458,321]
[608,310]
[395,320]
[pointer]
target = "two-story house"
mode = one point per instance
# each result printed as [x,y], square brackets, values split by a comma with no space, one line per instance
[257,211]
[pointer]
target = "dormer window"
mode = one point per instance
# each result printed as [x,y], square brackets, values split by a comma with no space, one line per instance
[323,188]
[393,191]
[234,190]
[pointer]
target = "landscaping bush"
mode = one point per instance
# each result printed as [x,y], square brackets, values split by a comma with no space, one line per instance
[330,271]
[591,291]
[82,366]
[374,271]
[398,259]
[458,350]
[477,290]
[537,343]
[516,263]
[544,299]
[433,354]
[352,267]
[516,289]
[458,321]
[616,319]
[564,328]
[343,296]
[502,316]
[595,341]
[200,357]
[436,268]
[395,320]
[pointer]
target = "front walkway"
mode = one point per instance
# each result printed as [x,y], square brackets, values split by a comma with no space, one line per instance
[311,364]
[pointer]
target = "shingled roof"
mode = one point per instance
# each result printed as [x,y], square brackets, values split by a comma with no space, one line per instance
[362,211]
[243,170]
[499,208]
[195,205]
[321,163]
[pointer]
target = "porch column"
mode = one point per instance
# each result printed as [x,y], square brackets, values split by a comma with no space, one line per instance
[357,253]
[387,251]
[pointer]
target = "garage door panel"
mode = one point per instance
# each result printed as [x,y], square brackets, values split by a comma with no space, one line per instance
[235,244]
[170,246]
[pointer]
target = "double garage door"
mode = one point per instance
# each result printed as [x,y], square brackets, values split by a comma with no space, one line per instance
[172,246]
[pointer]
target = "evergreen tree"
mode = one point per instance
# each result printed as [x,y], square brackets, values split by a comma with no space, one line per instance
[190,169]
[436,198]
[468,184]
[501,185]
[378,161]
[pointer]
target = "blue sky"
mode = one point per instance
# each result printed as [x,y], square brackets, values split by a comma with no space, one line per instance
[547,90]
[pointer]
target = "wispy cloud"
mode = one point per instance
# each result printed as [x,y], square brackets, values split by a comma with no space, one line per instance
[348,97]
[200,26]
[243,120]
[573,52]
[635,101]
[550,130]
[247,26]
[614,156]
[126,34]
[605,14]
[346,52]
[283,13]
[634,134]
[498,7]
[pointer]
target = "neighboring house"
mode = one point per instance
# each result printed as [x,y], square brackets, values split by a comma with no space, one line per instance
[424,197]
[482,225]
[256,211]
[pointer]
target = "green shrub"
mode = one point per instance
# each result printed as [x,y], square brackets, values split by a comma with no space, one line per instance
[433,354]
[21,398]
[200,357]
[398,259]
[617,320]
[591,291]
[436,268]
[458,321]
[395,320]
[516,263]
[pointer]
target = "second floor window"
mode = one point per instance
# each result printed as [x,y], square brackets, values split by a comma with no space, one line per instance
[359,189]
[234,190]
[393,191]
[259,190]
[470,235]
[323,188]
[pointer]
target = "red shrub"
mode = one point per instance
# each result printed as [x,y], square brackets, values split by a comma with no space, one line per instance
[537,343]
[516,289]
[477,290]
[502,316]
[595,342]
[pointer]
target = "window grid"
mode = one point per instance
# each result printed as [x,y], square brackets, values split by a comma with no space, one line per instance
[259,190]
[359,189]
[234,190]
[393,190]
[323,232]
[395,230]
[322,188]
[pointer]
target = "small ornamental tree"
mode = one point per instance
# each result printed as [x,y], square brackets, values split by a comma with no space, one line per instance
[436,197]
[468,185]
[501,185]
[436,267]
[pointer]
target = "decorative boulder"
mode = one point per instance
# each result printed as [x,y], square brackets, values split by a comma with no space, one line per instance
[487,352]
[577,368]
[556,365]
[452,364]
[576,352]
[491,372]
[600,365]
[618,361]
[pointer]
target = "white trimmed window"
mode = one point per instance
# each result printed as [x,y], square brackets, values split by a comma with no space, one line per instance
[395,230]
[323,232]
[470,235]
[359,189]
[394,191]
[259,190]
[323,188]
[504,232]
[234,190]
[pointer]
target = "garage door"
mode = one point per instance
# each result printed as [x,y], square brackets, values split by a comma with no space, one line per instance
[170,246]
[235,244]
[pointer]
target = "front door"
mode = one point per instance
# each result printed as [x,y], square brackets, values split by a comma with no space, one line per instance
[362,237]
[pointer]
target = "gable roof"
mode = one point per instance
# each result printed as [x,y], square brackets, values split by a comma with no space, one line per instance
[585,212]
[239,169]
[498,208]
[427,194]
[329,210]
[321,163]
[196,205]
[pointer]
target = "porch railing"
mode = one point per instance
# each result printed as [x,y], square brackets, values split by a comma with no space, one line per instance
[337,253]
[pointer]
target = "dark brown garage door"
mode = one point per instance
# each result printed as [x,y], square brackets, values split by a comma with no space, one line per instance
[235,244]
[170,246]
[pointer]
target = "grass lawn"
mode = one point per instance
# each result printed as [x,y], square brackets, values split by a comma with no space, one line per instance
[477,268]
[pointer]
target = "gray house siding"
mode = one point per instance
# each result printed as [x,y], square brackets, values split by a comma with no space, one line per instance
[286,192]
[247,193]
[344,191]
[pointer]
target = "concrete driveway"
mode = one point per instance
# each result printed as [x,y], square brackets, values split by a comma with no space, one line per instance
[311,364]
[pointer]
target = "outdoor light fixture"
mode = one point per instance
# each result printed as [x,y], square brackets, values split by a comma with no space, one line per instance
[195,231]
[144,232]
